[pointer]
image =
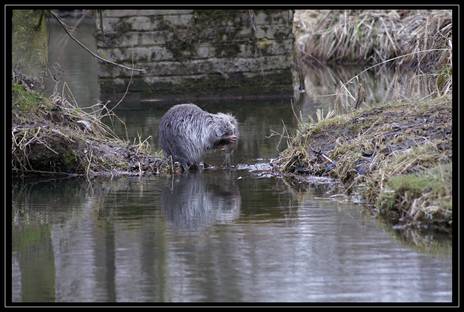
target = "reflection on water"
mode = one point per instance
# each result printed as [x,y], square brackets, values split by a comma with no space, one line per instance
[195,201]
[208,237]
[217,235]
[324,90]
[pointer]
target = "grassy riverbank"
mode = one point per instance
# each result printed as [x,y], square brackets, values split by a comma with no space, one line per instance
[397,156]
[51,135]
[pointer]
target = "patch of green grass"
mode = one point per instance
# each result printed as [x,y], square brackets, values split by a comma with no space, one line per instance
[24,100]
[413,183]
[311,127]
[27,101]
[330,122]
[424,196]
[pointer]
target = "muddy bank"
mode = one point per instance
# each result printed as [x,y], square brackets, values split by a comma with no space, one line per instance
[397,157]
[51,135]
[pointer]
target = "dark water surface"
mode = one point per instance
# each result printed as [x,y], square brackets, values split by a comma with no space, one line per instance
[210,236]
[214,236]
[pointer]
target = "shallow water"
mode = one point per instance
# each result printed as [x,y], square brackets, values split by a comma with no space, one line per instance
[210,236]
[214,236]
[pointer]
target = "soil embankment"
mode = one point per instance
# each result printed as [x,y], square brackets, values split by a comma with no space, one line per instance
[51,135]
[397,156]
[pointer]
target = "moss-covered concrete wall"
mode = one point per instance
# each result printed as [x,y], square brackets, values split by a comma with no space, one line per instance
[29,42]
[197,52]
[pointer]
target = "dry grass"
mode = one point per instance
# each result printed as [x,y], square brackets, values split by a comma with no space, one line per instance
[419,39]
[371,150]
[374,36]
[54,135]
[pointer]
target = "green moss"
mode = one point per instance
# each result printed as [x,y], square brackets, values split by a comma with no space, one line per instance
[27,101]
[183,41]
[70,160]
[219,17]
[225,37]
[29,42]
[264,44]
[123,27]
[280,36]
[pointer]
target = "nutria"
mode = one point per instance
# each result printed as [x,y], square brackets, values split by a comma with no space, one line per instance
[196,200]
[187,132]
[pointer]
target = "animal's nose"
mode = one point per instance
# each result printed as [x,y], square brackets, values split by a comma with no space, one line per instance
[233,138]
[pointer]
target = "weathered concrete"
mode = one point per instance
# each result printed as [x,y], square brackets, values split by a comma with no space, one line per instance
[29,43]
[189,53]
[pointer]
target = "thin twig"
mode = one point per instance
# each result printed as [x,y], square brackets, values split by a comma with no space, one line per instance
[125,93]
[294,114]
[87,49]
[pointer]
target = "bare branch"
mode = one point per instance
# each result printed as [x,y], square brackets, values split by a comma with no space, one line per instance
[87,49]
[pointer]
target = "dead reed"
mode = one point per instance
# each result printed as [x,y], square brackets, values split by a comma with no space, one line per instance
[54,135]
[419,39]
[374,36]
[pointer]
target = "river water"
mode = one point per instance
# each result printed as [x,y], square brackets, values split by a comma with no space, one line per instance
[216,235]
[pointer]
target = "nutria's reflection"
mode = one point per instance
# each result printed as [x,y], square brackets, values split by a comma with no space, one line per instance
[200,199]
